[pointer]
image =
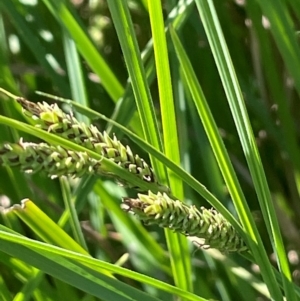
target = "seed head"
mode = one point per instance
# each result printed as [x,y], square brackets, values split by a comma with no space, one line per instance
[207,224]
[51,118]
[55,160]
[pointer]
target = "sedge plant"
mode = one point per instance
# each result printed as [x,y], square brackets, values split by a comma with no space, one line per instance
[174,173]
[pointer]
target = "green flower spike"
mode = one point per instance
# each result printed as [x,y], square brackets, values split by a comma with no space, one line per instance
[208,225]
[51,118]
[55,160]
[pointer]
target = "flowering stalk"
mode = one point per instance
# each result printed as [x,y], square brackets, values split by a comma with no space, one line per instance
[209,225]
[51,118]
[55,160]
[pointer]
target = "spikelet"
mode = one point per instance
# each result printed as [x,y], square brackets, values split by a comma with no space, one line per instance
[55,160]
[51,118]
[209,225]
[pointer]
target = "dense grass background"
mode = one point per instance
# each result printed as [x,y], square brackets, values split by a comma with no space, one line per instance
[217,92]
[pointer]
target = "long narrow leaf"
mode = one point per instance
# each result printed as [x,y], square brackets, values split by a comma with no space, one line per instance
[237,106]
[176,244]
[86,48]
[126,35]
[10,244]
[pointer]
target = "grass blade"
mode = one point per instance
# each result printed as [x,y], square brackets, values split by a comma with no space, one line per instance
[32,42]
[177,245]
[9,242]
[237,106]
[126,35]
[86,48]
